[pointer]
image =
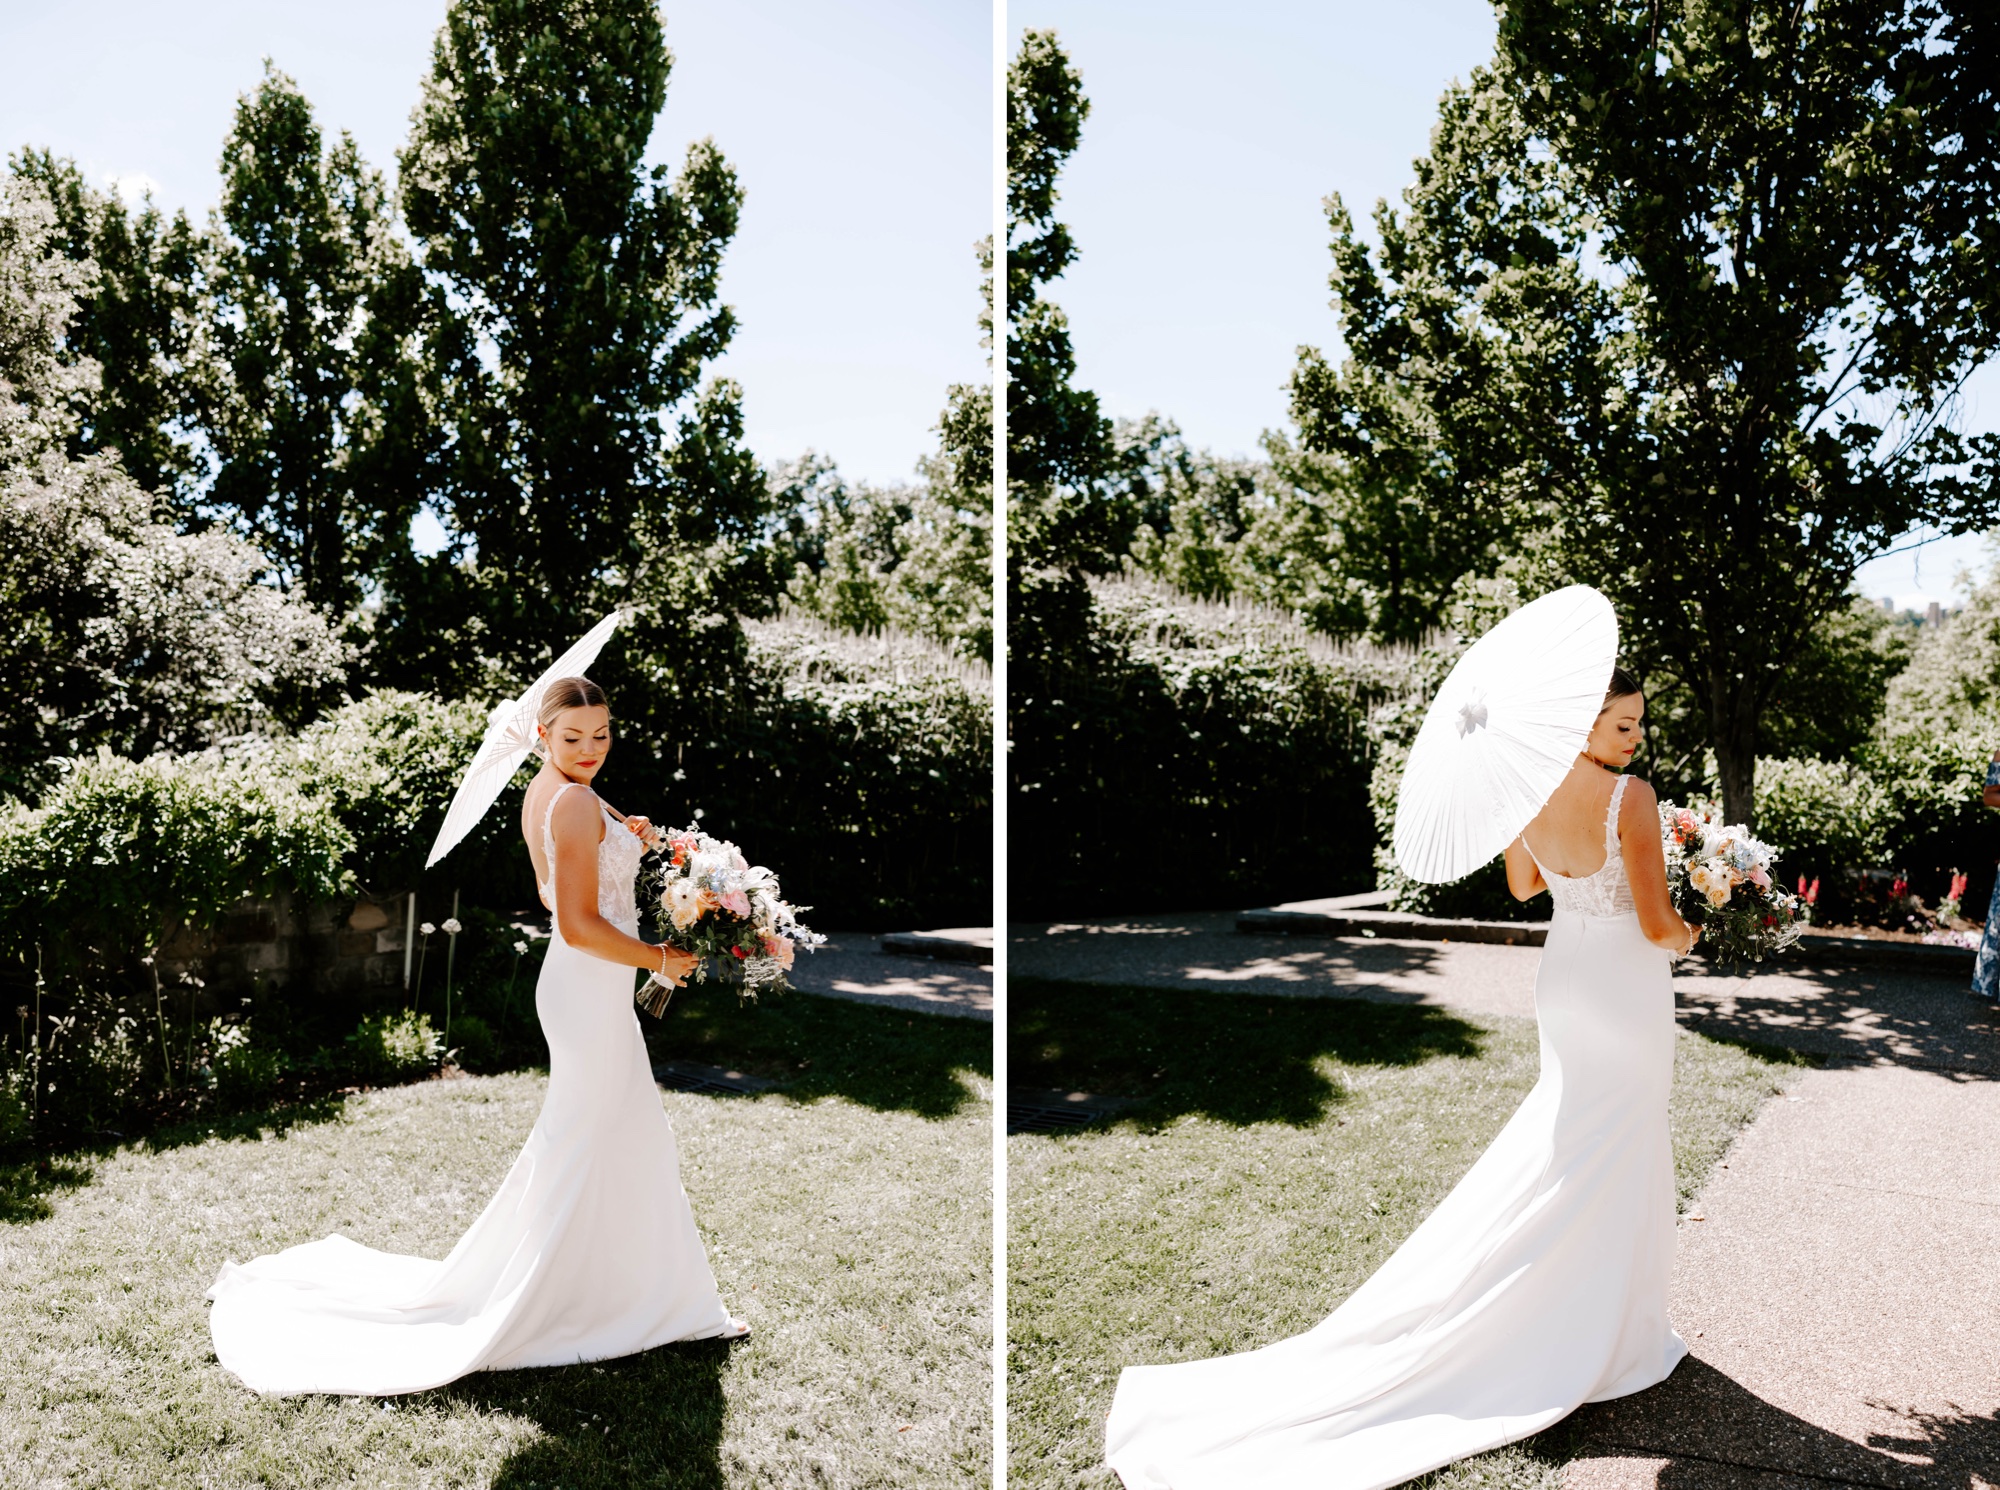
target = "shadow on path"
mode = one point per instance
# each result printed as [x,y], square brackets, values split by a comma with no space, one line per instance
[1715,1433]
[1865,1014]
[651,1420]
[1240,1058]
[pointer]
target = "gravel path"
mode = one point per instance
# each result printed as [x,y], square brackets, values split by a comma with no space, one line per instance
[853,966]
[1838,1279]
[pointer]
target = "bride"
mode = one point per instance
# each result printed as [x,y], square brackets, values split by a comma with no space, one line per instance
[1540,1282]
[589,1249]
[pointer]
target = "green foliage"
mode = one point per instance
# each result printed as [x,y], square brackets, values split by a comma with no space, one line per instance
[1821,816]
[1061,517]
[310,385]
[394,1046]
[865,558]
[236,1068]
[474,1045]
[119,853]
[1690,292]
[1171,759]
[576,447]
[120,631]
[15,1119]
[861,770]
[385,768]
[138,319]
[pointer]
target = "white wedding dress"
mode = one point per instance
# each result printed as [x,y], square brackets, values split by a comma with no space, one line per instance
[587,1251]
[1538,1284]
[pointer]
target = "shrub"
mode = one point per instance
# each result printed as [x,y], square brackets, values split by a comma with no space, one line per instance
[1174,753]
[385,768]
[120,853]
[857,767]
[1822,817]
[475,1047]
[390,1047]
[236,1069]
[15,1119]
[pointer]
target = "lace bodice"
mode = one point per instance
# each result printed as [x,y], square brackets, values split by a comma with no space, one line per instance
[1605,893]
[618,859]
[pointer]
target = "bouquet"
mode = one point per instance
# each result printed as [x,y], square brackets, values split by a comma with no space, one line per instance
[723,909]
[1720,880]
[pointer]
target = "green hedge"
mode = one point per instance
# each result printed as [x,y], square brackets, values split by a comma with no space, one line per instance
[858,767]
[1169,753]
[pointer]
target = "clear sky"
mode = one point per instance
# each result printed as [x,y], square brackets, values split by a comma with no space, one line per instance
[1214,133]
[860,132]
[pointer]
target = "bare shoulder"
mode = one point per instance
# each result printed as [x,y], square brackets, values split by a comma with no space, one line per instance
[577,814]
[1639,796]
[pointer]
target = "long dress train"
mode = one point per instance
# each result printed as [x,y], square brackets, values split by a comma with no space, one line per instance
[587,1251]
[1539,1283]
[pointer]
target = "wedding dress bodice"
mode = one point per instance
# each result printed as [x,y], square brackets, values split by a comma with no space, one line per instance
[618,859]
[1605,893]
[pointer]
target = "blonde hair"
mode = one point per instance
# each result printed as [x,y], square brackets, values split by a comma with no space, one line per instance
[566,693]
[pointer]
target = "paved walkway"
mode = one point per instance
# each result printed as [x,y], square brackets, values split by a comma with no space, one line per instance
[852,966]
[1838,1279]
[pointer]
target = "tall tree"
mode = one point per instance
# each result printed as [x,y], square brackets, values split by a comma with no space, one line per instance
[138,317]
[1692,288]
[581,457]
[1063,519]
[312,301]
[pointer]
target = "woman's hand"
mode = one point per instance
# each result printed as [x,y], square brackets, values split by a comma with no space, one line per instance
[646,832]
[675,964]
[1693,937]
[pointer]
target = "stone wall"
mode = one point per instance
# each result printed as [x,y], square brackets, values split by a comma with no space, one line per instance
[340,947]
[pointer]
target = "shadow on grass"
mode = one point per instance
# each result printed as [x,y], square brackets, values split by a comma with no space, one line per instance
[28,1178]
[664,1411]
[1240,1058]
[885,1058]
[26,1183]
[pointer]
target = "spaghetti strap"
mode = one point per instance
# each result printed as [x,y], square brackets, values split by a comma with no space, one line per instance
[1611,819]
[548,885]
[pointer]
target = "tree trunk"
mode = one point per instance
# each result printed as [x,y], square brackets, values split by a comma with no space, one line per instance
[1732,716]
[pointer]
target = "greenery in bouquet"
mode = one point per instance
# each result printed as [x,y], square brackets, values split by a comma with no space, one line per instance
[1720,880]
[725,911]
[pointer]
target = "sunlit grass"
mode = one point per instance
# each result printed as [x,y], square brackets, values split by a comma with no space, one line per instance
[1281,1149]
[852,1231]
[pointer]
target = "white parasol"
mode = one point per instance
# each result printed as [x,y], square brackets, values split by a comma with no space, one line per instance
[1502,733]
[510,735]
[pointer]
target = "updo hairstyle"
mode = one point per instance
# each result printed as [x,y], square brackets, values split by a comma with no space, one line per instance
[1623,685]
[566,693]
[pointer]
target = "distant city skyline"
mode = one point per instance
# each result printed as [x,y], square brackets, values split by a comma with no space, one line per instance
[860,133]
[1195,198]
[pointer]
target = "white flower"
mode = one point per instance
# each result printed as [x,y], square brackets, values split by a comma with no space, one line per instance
[683,901]
[520,948]
[451,926]
[427,928]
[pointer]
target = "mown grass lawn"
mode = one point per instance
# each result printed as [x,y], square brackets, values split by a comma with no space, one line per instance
[1281,1150]
[847,1218]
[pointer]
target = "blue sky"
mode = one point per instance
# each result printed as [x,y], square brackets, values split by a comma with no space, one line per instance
[1214,133]
[860,132]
